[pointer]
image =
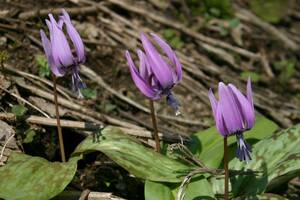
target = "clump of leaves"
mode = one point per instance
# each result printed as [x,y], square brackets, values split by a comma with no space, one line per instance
[89,93]
[286,69]
[255,77]
[42,63]
[19,110]
[173,38]
[211,8]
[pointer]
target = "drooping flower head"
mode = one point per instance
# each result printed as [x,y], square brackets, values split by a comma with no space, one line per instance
[58,50]
[234,114]
[157,74]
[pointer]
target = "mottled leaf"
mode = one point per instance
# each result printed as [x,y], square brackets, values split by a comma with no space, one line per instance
[133,156]
[26,177]
[276,159]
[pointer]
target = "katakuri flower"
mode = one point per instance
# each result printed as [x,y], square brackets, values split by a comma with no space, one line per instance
[234,114]
[157,74]
[58,51]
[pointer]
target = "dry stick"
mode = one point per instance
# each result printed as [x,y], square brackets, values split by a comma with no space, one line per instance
[60,136]
[161,19]
[226,169]
[154,122]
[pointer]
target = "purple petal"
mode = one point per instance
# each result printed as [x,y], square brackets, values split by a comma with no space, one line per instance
[144,68]
[171,54]
[159,67]
[244,106]
[74,36]
[249,93]
[230,110]
[47,48]
[220,123]
[61,50]
[143,86]
[213,102]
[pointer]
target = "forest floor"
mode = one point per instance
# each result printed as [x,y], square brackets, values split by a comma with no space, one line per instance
[228,47]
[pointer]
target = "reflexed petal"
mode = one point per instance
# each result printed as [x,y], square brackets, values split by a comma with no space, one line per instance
[230,110]
[244,107]
[74,36]
[144,68]
[143,86]
[220,123]
[171,54]
[213,102]
[47,48]
[61,50]
[160,68]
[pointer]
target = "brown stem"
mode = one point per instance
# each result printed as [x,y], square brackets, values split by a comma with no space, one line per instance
[226,169]
[154,123]
[60,136]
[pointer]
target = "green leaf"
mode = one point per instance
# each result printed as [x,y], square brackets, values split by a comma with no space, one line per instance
[199,188]
[26,177]
[277,159]
[286,69]
[43,65]
[157,190]
[134,157]
[29,136]
[19,110]
[89,93]
[270,10]
[210,142]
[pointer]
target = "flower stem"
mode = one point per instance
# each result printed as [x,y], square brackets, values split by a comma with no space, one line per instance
[60,136]
[154,123]
[226,195]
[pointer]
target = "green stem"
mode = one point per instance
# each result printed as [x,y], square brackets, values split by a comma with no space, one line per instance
[59,130]
[154,123]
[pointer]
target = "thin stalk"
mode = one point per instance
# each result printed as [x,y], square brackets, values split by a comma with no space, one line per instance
[154,123]
[226,195]
[60,136]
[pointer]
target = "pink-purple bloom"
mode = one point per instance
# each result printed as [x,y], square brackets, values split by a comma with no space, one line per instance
[234,114]
[157,73]
[58,51]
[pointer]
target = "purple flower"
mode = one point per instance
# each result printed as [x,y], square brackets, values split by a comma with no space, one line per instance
[58,51]
[157,74]
[234,114]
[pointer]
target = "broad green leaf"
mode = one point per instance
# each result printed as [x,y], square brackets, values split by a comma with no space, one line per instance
[277,159]
[158,191]
[26,177]
[199,188]
[29,136]
[270,10]
[255,77]
[210,142]
[18,110]
[135,157]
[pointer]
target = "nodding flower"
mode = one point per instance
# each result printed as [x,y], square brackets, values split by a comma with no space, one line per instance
[157,73]
[58,50]
[234,114]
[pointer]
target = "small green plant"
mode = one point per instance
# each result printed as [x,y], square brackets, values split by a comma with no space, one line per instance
[172,36]
[89,93]
[286,69]
[43,65]
[19,110]
[255,77]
